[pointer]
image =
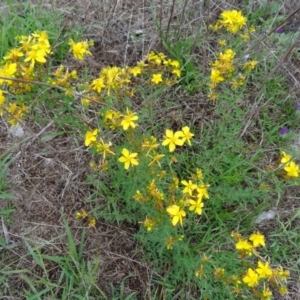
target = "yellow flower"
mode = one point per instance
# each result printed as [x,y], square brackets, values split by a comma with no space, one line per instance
[200,271]
[251,278]
[187,135]
[13,54]
[175,64]
[80,49]
[292,169]
[176,213]
[250,65]
[243,245]
[202,191]
[128,158]
[263,270]
[176,72]
[156,78]
[172,139]
[8,70]
[196,206]
[36,55]
[150,143]
[257,239]
[129,119]
[283,290]
[222,43]
[135,71]
[285,157]
[266,294]
[98,84]
[2,100]
[104,148]
[156,158]
[92,222]
[189,187]
[85,102]
[282,274]
[215,76]
[81,214]
[227,56]
[245,36]
[90,137]
[232,20]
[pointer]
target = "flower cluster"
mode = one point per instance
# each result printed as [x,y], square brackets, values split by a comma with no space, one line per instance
[254,275]
[232,20]
[259,275]
[290,168]
[156,69]
[224,69]
[178,138]
[191,196]
[21,62]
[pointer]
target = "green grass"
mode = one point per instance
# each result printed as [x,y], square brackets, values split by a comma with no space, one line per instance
[235,142]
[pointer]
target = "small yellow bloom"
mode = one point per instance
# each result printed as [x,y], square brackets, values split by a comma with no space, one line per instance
[81,214]
[196,206]
[175,64]
[176,72]
[176,213]
[216,77]
[232,20]
[13,54]
[202,191]
[98,84]
[90,137]
[85,102]
[156,159]
[282,274]
[292,169]
[2,100]
[285,157]
[8,70]
[156,78]
[92,222]
[186,134]
[135,71]
[189,187]
[128,120]
[243,245]
[128,158]
[263,270]
[283,290]
[104,148]
[172,139]
[257,239]
[80,49]
[250,65]
[222,43]
[266,294]
[200,271]
[251,278]
[36,55]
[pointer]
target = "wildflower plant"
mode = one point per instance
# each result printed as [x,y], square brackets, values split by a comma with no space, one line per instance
[148,172]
